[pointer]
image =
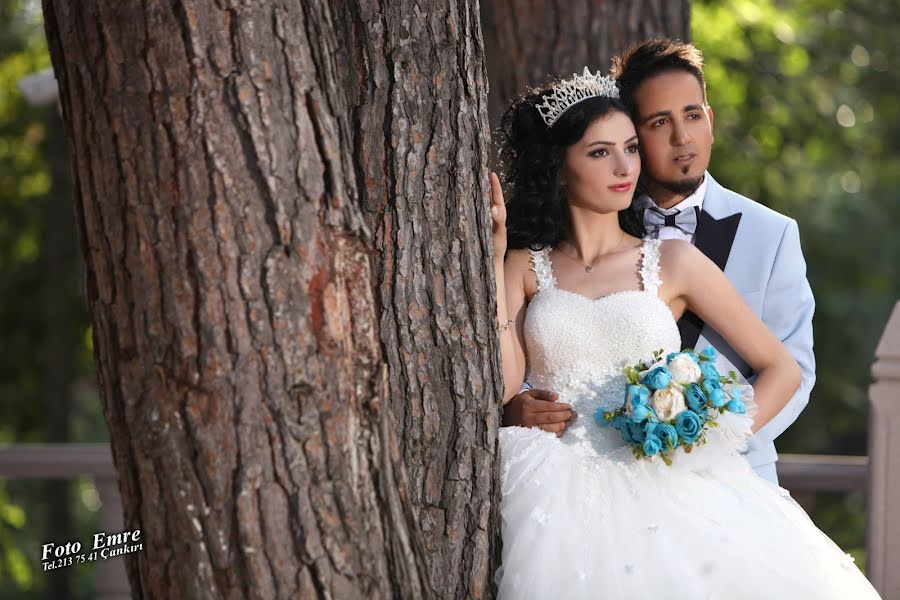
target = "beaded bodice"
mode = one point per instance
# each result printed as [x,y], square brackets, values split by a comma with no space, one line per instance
[577,346]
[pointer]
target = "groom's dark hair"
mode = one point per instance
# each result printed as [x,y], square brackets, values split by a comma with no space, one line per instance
[644,60]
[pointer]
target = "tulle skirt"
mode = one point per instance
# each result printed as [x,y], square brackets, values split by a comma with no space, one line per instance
[607,525]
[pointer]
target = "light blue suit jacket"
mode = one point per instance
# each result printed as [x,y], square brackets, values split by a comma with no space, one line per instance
[766,266]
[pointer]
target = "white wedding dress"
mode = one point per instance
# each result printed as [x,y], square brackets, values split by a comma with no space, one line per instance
[583,518]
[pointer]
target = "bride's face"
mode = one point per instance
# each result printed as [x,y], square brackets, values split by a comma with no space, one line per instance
[602,168]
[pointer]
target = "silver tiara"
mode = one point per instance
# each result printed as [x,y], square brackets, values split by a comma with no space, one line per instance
[570,92]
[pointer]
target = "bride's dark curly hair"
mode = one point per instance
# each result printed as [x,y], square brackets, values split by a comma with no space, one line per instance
[532,156]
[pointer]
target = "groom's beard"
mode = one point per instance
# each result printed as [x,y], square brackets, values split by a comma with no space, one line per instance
[682,187]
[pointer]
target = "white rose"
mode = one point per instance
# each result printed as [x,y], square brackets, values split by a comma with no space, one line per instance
[684,370]
[667,402]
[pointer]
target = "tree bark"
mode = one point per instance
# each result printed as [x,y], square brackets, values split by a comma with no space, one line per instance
[531,42]
[282,209]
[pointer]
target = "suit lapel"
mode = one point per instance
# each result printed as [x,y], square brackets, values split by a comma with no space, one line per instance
[714,237]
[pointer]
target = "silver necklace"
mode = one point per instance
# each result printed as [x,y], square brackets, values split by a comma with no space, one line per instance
[589,268]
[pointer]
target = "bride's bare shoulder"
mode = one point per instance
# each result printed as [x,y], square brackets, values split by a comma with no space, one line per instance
[679,259]
[675,252]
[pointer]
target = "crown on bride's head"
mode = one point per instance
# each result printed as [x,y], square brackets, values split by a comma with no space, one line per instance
[569,92]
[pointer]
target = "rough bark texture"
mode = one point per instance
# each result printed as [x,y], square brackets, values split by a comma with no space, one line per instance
[533,41]
[282,208]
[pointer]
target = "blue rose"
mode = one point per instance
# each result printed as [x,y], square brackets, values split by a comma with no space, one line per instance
[709,371]
[635,432]
[637,394]
[708,385]
[709,353]
[736,406]
[600,417]
[717,398]
[667,435]
[670,356]
[652,445]
[658,378]
[694,397]
[639,413]
[688,425]
[736,392]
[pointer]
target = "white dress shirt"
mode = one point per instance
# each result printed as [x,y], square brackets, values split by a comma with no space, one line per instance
[669,232]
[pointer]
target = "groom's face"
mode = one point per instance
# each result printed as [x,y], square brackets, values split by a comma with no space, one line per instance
[674,125]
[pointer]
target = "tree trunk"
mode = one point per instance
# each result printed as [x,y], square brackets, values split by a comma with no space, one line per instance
[424,185]
[282,209]
[530,42]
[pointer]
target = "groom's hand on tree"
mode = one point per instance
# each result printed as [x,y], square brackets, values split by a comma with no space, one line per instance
[538,408]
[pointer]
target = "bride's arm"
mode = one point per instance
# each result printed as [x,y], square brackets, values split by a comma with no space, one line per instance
[511,303]
[511,306]
[696,283]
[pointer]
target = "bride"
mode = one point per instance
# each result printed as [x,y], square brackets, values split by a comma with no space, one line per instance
[580,296]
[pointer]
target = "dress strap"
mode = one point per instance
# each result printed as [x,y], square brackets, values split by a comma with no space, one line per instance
[650,265]
[540,264]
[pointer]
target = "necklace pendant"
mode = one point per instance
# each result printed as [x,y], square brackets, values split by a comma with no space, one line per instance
[589,269]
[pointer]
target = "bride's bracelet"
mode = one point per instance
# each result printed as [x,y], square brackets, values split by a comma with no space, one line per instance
[505,326]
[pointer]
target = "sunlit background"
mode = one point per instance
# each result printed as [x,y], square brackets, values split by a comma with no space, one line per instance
[806,121]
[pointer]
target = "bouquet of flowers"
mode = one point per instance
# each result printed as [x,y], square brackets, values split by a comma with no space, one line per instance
[673,403]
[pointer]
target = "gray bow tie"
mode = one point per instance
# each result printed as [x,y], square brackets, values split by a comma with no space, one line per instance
[685,220]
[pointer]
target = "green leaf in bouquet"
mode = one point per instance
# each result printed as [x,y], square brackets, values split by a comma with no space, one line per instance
[632,375]
[666,459]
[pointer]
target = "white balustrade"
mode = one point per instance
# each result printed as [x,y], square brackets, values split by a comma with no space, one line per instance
[884,472]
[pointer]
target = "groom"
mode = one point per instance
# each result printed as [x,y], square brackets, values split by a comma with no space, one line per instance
[662,83]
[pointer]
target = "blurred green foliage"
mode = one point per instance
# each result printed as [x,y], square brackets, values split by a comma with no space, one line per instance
[806,121]
[28,136]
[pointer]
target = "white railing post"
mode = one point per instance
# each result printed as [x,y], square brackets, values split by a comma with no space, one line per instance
[884,463]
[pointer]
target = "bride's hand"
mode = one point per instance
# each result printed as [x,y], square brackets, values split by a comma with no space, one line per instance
[498,216]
